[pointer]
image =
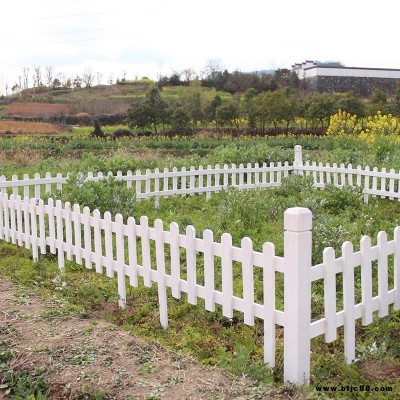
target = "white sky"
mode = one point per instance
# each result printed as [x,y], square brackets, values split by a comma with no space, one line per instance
[152,37]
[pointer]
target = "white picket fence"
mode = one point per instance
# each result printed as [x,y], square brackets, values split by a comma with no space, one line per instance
[211,270]
[214,179]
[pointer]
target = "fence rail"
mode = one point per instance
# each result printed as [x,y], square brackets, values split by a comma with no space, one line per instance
[134,251]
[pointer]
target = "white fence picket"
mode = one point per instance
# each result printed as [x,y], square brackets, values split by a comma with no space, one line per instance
[366,280]
[248,280]
[161,278]
[120,264]
[329,294]
[268,265]
[383,274]
[227,275]
[348,303]
[191,264]
[132,252]
[209,270]
[175,260]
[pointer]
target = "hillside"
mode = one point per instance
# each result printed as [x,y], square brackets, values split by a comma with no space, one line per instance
[45,105]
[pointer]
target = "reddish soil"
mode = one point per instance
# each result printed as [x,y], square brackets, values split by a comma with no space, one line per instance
[20,127]
[36,110]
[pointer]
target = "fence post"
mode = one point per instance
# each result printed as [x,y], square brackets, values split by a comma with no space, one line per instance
[297,294]
[298,159]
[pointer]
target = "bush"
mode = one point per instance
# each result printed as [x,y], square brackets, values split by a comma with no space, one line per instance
[107,194]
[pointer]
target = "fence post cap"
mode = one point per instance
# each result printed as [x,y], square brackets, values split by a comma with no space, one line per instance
[297,219]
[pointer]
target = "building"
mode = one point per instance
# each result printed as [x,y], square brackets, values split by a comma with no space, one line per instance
[336,79]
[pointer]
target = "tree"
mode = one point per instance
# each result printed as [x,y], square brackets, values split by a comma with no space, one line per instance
[49,76]
[77,82]
[377,102]
[99,76]
[212,69]
[319,107]
[180,120]
[277,107]
[88,77]
[175,79]
[150,112]
[211,109]
[228,113]
[394,106]
[350,103]
[25,75]
[248,107]
[37,77]
[188,74]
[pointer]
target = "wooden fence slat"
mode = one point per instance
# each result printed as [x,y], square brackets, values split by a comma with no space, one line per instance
[175,260]
[42,227]
[132,252]
[209,270]
[383,274]
[98,250]
[248,280]
[227,275]
[146,259]
[20,228]
[348,303]
[366,280]
[108,244]
[161,279]
[396,268]
[120,252]
[329,294]
[87,237]
[59,234]
[191,264]
[68,230]
[268,266]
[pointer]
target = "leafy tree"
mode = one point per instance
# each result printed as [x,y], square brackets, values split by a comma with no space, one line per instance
[377,102]
[394,106]
[180,121]
[175,79]
[350,103]
[275,107]
[194,108]
[248,109]
[228,113]
[211,109]
[149,113]
[319,107]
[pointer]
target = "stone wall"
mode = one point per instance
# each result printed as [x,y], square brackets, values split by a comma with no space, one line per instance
[360,86]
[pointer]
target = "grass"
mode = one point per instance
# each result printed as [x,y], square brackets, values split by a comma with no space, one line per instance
[339,215]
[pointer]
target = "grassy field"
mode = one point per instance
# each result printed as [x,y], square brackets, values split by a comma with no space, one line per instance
[339,215]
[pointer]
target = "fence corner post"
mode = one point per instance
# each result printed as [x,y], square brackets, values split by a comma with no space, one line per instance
[297,295]
[298,158]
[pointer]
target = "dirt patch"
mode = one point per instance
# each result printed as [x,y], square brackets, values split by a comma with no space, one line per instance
[36,110]
[92,356]
[376,370]
[21,127]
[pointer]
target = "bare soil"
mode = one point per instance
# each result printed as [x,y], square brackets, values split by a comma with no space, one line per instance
[22,127]
[92,355]
[36,110]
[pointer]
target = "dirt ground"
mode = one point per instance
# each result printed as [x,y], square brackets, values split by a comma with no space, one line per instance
[21,127]
[36,109]
[98,356]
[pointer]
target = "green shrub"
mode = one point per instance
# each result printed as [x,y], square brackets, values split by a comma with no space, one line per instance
[107,194]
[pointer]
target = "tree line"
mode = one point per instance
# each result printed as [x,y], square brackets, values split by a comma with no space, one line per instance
[253,111]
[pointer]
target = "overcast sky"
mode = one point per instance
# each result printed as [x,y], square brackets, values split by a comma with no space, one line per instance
[153,37]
